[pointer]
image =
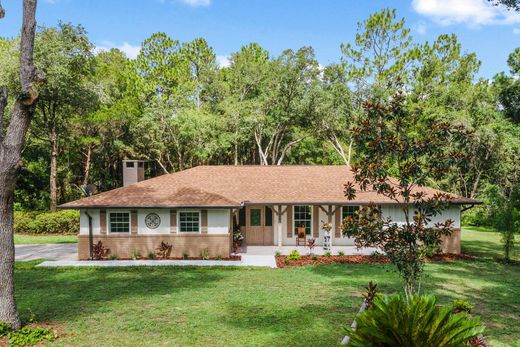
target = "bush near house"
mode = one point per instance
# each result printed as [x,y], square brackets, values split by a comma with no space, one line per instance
[61,222]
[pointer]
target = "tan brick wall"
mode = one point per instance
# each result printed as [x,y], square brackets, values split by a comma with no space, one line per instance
[123,246]
[451,244]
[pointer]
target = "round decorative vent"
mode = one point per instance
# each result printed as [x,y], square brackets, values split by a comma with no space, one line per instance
[152,220]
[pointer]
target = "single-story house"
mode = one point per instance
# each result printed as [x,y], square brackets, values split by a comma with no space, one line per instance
[195,209]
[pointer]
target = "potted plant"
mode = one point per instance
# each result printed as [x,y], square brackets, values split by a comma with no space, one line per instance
[327,227]
[237,239]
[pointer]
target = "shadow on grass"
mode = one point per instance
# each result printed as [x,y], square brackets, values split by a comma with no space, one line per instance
[62,294]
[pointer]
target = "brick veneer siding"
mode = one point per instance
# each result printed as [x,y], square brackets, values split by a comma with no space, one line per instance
[123,246]
[451,244]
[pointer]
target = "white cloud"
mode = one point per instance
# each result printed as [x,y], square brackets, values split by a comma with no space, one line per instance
[516,31]
[420,27]
[223,61]
[471,12]
[196,3]
[130,50]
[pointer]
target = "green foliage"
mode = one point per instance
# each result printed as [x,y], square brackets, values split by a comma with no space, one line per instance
[460,305]
[152,256]
[417,321]
[60,222]
[341,253]
[4,329]
[327,254]
[29,336]
[205,254]
[293,256]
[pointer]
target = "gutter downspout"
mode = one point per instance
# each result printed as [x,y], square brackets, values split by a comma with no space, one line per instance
[467,208]
[90,236]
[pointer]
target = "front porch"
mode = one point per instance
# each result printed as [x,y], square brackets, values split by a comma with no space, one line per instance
[318,250]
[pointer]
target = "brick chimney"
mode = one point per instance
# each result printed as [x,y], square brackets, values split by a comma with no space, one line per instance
[133,171]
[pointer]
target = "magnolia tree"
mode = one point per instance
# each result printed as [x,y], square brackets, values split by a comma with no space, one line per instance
[391,140]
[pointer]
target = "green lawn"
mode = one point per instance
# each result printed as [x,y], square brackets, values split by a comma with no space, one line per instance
[246,307]
[24,239]
[485,243]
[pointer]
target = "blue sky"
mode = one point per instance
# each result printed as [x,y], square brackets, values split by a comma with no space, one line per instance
[489,31]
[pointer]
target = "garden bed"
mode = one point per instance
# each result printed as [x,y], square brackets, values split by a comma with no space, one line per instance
[283,262]
[230,258]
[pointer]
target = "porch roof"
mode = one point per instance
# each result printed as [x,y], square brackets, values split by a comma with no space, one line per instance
[234,186]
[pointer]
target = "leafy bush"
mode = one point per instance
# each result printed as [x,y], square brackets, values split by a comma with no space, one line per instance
[28,336]
[60,222]
[462,306]
[99,251]
[113,257]
[418,321]
[151,256]
[314,257]
[341,253]
[205,254]
[327,254]
[277,253]
[4,329]
[136,254]
[294,255]
[164,250]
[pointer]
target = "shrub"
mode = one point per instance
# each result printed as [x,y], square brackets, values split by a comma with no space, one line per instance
[205,254]
[164,250]
[327,254]
[376,255]
[4,329]
[99,251]
[60,222]
[151,256]
[341,253]
[219,257]
[314,257]
[417,321]
[185,255]
[294,255]
[277,253]
[461,306]
[29,336]
[136,254]
[113,257]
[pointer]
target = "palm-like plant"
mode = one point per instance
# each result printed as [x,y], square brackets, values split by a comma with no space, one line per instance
[418,321]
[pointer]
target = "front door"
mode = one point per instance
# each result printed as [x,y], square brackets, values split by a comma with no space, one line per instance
[259,227]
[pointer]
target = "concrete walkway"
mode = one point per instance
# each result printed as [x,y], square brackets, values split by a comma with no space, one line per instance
[49,251]
[318,250]
[247,260]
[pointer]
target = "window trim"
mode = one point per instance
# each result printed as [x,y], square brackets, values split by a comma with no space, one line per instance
[295,232]
[109,229]
[179,231]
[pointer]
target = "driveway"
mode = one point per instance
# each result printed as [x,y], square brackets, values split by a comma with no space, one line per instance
[50,251]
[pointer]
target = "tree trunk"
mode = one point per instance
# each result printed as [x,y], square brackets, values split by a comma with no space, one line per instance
[10,163]
[87,164]
[54,170]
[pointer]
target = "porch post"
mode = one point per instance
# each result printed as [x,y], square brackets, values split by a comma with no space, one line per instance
[279,225]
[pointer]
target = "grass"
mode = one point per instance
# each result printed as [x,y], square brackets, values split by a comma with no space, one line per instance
[247,307]
[485,243]
[24,239]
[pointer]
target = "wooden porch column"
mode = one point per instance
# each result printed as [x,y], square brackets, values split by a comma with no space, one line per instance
[279,213]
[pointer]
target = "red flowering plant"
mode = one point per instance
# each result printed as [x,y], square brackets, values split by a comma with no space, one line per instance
[392,140]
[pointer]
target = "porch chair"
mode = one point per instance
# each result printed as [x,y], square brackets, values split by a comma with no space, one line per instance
[301,236]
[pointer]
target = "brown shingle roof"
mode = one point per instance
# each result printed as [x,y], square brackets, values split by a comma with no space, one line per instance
[230,186]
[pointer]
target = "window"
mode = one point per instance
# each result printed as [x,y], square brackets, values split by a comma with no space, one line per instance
[349,211]
[189,221]
[140,164]
[119,222]
[130,164]
[303,217]
[268,217]
[255,216]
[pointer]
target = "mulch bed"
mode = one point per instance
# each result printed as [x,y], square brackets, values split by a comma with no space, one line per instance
[333,259]
[231,257]
[359,259]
